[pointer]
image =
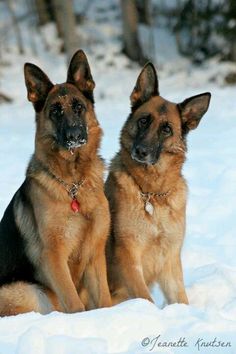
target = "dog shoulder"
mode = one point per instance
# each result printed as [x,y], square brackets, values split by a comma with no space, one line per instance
[177,199]
[118,179]
[12,241]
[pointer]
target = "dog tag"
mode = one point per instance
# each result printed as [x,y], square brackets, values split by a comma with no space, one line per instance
[75,206]
[149,208]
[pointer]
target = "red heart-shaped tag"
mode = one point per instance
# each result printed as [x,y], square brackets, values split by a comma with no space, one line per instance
[75,206]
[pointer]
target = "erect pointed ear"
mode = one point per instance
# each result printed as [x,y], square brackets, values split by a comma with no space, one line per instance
[192,109]
[146,86]
[79,74]
[38,85]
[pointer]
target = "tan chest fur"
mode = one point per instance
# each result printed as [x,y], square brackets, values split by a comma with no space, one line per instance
[165,232]
[154,236]
[59,226]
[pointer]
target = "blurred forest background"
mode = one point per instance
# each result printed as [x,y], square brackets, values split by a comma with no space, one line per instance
[202,28]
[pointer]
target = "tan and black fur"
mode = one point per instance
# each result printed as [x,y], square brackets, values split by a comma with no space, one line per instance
[144,248]
[51,257]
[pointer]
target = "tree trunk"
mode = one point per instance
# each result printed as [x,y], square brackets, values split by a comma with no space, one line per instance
[132,47]
[233,51]
[32,23]
[66,25]
[4,98]
[58,14]
[147,12]
[143,7]
[16,27]
[42,7]
[232,34]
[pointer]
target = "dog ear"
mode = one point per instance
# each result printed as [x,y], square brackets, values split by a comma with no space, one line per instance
[192,109]
[38,85]
[79,74]
[146,86]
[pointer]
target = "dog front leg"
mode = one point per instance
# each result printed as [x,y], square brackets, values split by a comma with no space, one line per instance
[129,265]
[56,271]
[95,278]
[171,280]
[95,275]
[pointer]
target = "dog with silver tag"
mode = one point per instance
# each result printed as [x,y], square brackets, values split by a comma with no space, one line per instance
[147,193]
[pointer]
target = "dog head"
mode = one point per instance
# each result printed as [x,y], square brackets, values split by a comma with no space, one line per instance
[155,125]
[63,111]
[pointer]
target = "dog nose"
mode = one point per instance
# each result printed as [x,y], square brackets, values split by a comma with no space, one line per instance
[74,134]
[141,151]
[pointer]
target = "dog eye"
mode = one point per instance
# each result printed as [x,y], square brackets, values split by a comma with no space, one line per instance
[143,122]
[79,107]
[56,111]
[166,129]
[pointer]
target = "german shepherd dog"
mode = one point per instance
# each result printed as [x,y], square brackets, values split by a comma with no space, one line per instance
[53,232]
[147,193]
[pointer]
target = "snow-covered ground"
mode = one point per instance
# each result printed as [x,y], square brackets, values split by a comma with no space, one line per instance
[209,260]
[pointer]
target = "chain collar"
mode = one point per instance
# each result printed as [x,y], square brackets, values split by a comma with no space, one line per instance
[148,206]
[71,188]
[148,195]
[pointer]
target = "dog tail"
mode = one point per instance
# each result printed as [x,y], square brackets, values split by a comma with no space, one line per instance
[22,297]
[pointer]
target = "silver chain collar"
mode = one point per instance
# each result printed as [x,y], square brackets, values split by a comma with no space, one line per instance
[148,206]
[71,188]
[148,195]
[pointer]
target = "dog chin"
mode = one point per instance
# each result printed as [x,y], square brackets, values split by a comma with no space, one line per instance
[70,146]
[143,162]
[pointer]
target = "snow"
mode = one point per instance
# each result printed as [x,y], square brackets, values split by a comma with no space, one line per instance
[208,256]
[129,328]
